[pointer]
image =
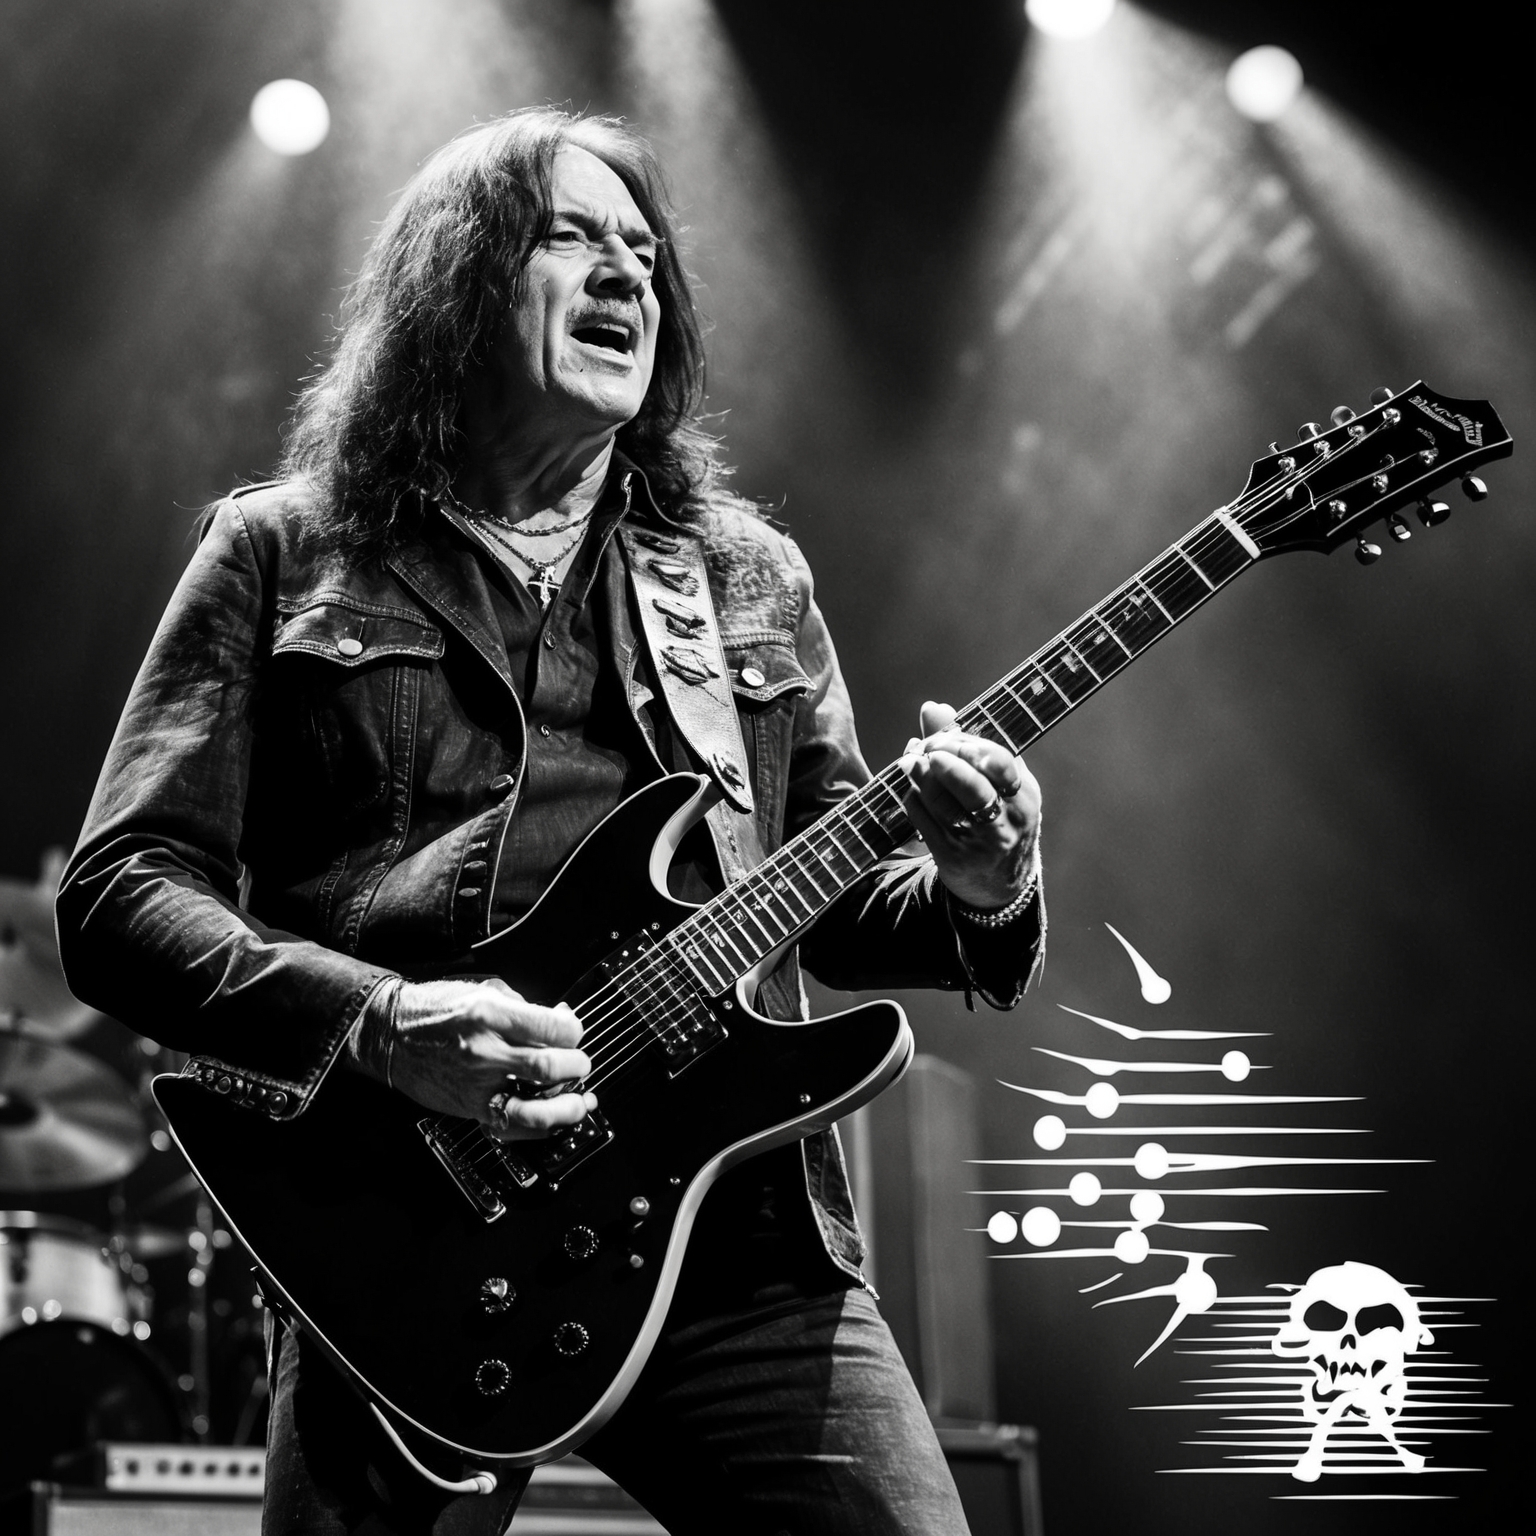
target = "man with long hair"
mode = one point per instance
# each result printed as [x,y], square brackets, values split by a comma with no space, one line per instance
[398,687]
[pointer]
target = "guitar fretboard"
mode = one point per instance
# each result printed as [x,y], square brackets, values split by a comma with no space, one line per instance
[768,907]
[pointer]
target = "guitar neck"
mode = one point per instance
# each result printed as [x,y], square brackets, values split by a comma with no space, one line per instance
[786,893]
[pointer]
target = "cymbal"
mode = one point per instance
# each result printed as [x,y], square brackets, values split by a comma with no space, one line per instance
[31,976]
[66,1120]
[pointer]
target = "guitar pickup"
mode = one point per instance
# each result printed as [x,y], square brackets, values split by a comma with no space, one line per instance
[472,1185]
[683,1041]
[554,1157]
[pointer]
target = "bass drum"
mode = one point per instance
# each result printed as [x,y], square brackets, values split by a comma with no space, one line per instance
[66,1385]
[70,1371]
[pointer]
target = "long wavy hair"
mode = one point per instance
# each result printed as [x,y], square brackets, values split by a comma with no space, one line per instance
[380,424]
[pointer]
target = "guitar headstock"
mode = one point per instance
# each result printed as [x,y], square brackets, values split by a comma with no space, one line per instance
[1332,484]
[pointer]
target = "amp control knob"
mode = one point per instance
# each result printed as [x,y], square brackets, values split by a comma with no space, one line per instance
[571,1339]
[581,1242]
[493,1377]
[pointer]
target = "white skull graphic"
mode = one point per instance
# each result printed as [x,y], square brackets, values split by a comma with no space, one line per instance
[1354,1325]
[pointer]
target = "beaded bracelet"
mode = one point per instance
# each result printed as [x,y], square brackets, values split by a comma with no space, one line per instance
[1003,915]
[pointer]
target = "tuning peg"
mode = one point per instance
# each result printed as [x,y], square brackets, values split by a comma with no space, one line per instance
[1433,513]
[1474,487]
[1398,527]
[1341,416]
[1274,447]
[1381,396]
[1309,429]
[1367,554]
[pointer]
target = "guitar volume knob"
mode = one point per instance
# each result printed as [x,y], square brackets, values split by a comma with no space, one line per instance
[493,1377]
[571,1339]
[496,1295]
[580,1243]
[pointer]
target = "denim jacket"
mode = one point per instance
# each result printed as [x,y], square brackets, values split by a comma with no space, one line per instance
[317,764]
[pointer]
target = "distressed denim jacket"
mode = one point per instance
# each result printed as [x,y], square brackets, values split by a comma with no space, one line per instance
[318,761]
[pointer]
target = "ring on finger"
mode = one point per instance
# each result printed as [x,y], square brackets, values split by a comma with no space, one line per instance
[990,811]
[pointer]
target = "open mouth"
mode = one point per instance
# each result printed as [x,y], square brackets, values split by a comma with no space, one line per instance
[606,335]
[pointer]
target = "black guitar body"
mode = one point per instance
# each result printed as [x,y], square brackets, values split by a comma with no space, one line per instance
[503,1320]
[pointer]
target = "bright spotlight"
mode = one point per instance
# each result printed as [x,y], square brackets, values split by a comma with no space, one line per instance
[1068,18]
[1263,82]
[290,117]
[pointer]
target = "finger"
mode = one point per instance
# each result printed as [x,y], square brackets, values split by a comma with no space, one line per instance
[531,1023]
[948,774]
[1005,769]
[524,1119]
[931,793]
[548,1065]
[934,832]
[933,718]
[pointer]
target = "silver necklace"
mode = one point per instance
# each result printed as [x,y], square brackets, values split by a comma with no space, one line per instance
[508,526]
[539,581]
[501,531]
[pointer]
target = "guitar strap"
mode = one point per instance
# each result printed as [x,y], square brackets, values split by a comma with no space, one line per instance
[682,636]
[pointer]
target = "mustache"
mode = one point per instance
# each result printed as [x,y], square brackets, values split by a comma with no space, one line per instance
[597,313]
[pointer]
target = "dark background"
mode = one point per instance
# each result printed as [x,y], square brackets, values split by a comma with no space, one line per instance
[975,297]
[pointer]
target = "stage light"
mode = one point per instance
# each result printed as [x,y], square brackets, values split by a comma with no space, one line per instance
[1263,82]
[1069,18]
[290,117]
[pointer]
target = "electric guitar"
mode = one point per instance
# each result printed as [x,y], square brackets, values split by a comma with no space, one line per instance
[502,1299]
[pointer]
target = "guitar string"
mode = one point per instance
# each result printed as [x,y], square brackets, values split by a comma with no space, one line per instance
[1151,577]
[1263,499]
[643,1035]
[639,1032]
[654,966]
[1200,541]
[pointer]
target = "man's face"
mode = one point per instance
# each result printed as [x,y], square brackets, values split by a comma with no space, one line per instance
[580,345]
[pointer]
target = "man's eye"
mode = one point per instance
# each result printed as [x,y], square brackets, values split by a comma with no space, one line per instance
[564,237]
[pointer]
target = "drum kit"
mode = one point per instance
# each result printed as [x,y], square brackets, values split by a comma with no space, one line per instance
[126,1312]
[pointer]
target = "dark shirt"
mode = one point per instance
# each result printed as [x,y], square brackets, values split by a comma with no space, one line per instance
[755,1242]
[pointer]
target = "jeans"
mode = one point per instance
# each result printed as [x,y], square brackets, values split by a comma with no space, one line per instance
[795,1420]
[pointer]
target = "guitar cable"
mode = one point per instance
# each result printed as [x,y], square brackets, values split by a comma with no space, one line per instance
[481,1482]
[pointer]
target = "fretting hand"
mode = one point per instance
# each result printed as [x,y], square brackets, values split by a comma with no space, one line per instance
[977,807]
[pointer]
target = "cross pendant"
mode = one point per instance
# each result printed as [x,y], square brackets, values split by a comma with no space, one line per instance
[544,589]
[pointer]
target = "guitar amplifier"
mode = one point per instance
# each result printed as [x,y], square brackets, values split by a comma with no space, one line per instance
[47,1509]
[177,1490]
[570,1497]
[996,1469]
[189,1490]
